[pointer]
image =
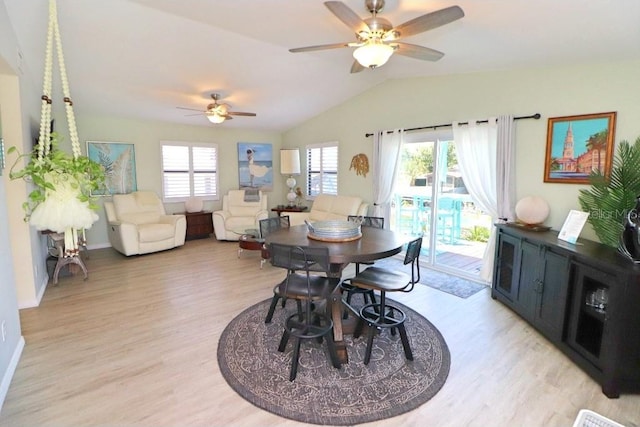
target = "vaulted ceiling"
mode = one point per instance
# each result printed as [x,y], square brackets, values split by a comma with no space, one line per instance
[144,58]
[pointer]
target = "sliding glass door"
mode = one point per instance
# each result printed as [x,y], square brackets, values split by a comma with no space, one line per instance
[430,198]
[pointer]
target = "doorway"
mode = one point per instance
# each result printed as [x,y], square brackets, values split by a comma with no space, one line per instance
[430,198]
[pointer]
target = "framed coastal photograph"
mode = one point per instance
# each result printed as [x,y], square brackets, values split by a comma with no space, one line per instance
[255,166]
[578,145]
[119,162]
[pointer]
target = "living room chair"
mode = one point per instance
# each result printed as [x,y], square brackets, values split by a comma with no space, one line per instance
[138,224]
[267,226]
[347,287]
[308,289]
[380,316]
[240,213]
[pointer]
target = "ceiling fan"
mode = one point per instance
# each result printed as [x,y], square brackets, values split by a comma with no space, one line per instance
[377,39]
[218,112]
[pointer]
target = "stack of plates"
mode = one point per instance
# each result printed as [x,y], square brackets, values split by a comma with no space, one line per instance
[334,231]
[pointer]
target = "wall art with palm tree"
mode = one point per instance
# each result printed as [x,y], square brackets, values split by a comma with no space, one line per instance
[579,145]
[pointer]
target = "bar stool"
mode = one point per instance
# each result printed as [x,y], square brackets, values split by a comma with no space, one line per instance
[383,315]
[307,289]
[346,286]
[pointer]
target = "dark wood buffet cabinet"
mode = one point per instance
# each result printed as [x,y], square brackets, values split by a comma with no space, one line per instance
[583,297]
[199,224]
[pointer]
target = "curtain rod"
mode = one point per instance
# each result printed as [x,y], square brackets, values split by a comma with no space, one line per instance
[434,127]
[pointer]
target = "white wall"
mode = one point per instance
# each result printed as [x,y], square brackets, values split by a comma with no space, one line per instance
[146,137]
[552,92]
[11,346]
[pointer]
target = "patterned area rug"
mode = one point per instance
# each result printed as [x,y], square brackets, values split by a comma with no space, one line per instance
[434,279]
[390,385]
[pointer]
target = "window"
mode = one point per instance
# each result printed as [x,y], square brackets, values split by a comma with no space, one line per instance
[189,169]
[322,169]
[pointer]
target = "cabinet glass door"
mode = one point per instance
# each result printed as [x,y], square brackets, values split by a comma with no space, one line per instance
[589,312]
[507,267]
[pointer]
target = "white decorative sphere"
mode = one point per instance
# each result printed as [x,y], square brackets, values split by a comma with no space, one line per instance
[532,210]
[193,204]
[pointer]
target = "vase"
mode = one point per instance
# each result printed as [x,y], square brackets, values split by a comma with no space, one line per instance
[629,241]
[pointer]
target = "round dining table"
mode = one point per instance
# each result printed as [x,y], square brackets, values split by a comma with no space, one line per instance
[374,244]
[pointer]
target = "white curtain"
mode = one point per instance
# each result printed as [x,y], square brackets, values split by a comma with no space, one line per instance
[476,150]
[486,156]
[386,161]
[506,182]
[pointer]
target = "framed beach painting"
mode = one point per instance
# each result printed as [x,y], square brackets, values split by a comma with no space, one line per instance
[578,145]
[119,162]
[255,166]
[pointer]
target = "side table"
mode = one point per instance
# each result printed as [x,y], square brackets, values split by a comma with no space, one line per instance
[199,224]
[249,242]
[282,208]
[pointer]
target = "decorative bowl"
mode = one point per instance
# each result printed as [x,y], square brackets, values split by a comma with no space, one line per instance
[334,230]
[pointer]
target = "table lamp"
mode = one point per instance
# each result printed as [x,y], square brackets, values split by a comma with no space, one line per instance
[290,165]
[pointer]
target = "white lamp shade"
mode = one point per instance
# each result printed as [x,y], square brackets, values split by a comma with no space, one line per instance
[290,161]
[373,55]
[193,204]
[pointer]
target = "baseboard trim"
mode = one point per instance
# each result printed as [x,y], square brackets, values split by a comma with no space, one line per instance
[35,302]
[99,246]
[11,369]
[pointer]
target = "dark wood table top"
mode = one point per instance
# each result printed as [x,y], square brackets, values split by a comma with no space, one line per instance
[374,244]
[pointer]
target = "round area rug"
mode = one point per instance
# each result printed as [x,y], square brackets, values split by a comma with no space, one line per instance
[321,394]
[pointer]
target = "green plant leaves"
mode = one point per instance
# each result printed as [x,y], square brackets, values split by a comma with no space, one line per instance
[79,173]
[609,202]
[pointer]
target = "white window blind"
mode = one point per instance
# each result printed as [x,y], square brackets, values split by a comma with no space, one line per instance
[189,169]
[322,169]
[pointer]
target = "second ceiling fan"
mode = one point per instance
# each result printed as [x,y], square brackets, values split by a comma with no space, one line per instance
[218,112]
[377,39]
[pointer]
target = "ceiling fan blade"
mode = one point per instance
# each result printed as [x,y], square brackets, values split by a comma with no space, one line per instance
[418,52]
[190,115]
[356,67]
[240,113]
[429,21]
[347,16]
[319,47]
[190,109]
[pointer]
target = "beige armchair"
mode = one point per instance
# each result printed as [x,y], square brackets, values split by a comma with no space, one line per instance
[328,207]
[138,224]
[238,214]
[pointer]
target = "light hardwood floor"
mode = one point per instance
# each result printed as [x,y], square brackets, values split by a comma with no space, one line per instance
[136,345]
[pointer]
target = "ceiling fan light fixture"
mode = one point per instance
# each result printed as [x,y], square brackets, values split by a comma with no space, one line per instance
[215,118]
[373,55]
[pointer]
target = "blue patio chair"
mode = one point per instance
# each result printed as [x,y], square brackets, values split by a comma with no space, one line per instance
[449,218]
[412,213]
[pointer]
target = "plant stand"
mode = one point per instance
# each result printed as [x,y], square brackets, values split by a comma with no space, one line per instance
[63,259]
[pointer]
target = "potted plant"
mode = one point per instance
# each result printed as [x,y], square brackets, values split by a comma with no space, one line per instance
[61,200]
[609,200]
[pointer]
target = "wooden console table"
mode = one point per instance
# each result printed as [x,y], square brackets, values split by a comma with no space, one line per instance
[280,209]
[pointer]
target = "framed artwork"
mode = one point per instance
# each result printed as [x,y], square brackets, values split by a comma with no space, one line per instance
[255,166]
[578,145]
[119,162]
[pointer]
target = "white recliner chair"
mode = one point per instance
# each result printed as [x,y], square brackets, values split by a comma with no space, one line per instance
[239,214]
[138,224]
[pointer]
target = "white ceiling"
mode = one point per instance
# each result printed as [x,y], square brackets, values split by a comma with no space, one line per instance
[143,58]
